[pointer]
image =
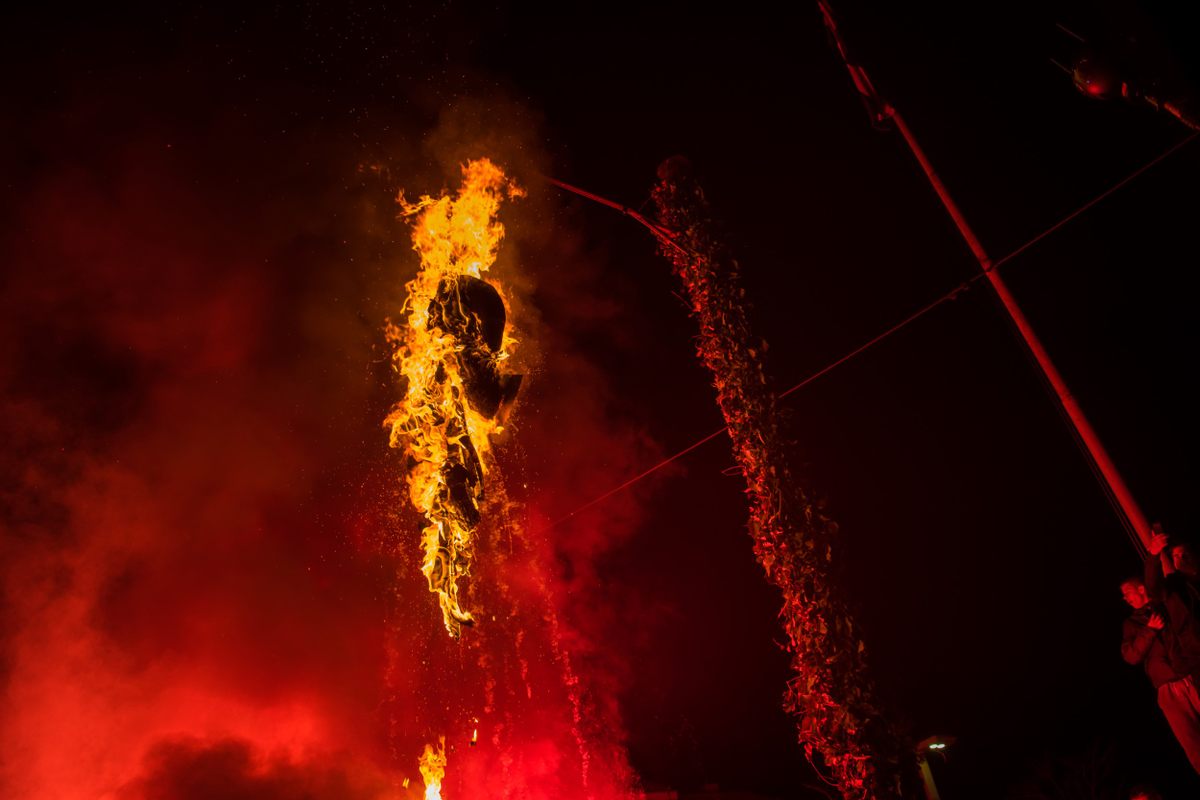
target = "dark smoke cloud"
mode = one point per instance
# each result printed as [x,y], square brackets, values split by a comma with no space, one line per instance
[231,769]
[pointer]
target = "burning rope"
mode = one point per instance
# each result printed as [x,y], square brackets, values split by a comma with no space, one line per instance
[830,693]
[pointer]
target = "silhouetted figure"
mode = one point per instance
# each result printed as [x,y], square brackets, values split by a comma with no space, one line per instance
[1141,640]
[1142,643]
[1183,561]
[1170,589]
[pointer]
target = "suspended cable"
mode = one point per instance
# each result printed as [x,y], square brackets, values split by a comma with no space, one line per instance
[1119,184]
[664,235]
[950,295]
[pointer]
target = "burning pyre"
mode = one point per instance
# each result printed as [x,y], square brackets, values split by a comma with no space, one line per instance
[449,354]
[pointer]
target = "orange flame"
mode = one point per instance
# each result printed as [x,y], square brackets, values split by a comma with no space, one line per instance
[433,768]
[444,436]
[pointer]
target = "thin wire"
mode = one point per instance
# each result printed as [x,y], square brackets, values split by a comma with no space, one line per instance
[663,235]
[1134,538]
[660,233]
[638,477]
[1119,184]
[950,295]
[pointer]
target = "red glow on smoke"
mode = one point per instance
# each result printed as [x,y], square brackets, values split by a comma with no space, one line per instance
[201,596]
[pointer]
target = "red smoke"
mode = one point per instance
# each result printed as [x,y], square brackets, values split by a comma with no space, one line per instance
[210,570]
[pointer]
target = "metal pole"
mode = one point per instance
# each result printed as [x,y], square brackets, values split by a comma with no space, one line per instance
[881,111]
[931,792]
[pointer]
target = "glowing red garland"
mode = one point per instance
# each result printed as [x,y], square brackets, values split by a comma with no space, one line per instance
[830,694]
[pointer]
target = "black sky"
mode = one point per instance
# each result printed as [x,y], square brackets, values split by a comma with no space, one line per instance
[979,552]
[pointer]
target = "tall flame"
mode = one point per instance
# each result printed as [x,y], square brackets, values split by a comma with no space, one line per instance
[433,768]
[446,350]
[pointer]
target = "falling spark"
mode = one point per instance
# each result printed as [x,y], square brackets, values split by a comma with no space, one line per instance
[830,694]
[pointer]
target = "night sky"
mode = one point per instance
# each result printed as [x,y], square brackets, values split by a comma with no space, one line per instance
[199,252]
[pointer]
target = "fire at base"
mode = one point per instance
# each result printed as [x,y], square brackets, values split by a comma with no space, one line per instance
[433,769]
[449,355]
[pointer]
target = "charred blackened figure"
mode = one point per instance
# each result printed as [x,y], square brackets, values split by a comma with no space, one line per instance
[470,310]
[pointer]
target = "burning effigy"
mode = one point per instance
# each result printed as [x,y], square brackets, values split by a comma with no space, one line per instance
[449,353]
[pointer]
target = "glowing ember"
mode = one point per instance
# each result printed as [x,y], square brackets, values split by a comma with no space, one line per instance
[433,769]
[830,693]
[449,355]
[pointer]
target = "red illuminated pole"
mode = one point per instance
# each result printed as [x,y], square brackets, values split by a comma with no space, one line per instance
[881,111]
